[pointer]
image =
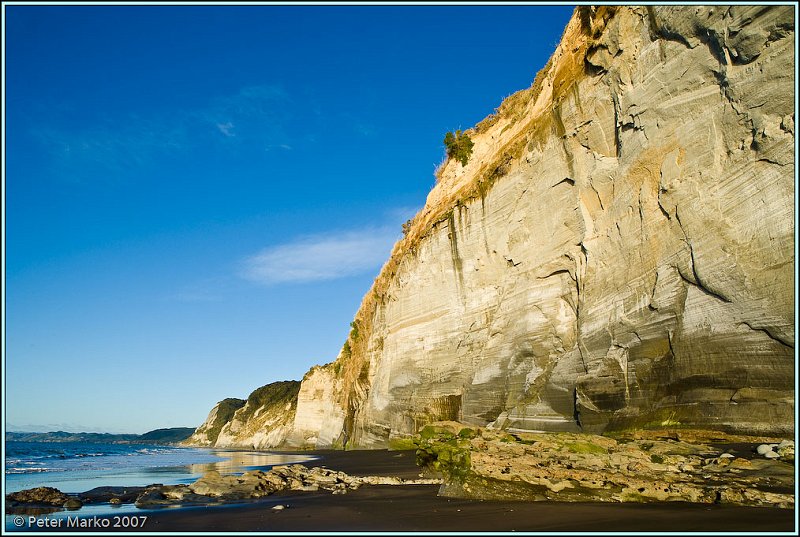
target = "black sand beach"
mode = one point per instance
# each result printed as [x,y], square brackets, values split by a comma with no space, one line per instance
[417,508]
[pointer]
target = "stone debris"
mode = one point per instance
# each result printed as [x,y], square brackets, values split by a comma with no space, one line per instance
[214,487]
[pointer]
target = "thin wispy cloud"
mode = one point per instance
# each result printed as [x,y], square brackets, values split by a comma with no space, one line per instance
[251,118]
[252,113]
[321,257]
[365,129]
[226,128]
[358,124]
[285,147]
[111,148]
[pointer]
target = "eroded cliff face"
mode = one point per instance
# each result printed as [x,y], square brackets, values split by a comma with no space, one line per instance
[264,420]
[220,415]
[618,252]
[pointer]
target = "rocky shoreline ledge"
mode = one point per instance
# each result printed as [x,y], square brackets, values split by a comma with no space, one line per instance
[479,463]
[645,466]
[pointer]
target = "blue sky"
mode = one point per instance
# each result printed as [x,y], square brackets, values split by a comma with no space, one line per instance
[198,197]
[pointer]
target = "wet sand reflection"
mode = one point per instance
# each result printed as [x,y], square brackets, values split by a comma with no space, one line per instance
[234,462]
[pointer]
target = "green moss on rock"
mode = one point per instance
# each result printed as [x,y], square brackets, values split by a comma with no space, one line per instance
[466,432]
[585,447]
[442,450]
[402,444]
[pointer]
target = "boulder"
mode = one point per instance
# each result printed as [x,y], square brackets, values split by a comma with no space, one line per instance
[115,495]
[73,504]
[166,495]
[763,449]
[39,495]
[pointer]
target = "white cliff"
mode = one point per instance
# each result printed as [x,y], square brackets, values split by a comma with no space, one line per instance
[618,251]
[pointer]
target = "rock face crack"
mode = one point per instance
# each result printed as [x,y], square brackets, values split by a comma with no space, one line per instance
[617,120]
[565,180]
[782,341]
[557,272]
[695,279]
[661,206]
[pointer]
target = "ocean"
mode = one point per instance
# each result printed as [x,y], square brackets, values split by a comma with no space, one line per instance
[74,467]
[80,466]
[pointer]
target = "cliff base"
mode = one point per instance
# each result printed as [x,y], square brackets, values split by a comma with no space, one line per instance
[481,463]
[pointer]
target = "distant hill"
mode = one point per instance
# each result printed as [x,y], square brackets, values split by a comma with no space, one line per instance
[167,436]
[159,436]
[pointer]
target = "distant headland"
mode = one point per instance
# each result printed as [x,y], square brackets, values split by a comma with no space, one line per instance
[158,436]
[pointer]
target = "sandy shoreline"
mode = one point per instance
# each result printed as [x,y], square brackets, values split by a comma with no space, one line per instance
[418,508]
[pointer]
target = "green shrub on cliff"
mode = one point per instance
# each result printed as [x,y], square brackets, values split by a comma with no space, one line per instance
[458,146]
[275,392]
